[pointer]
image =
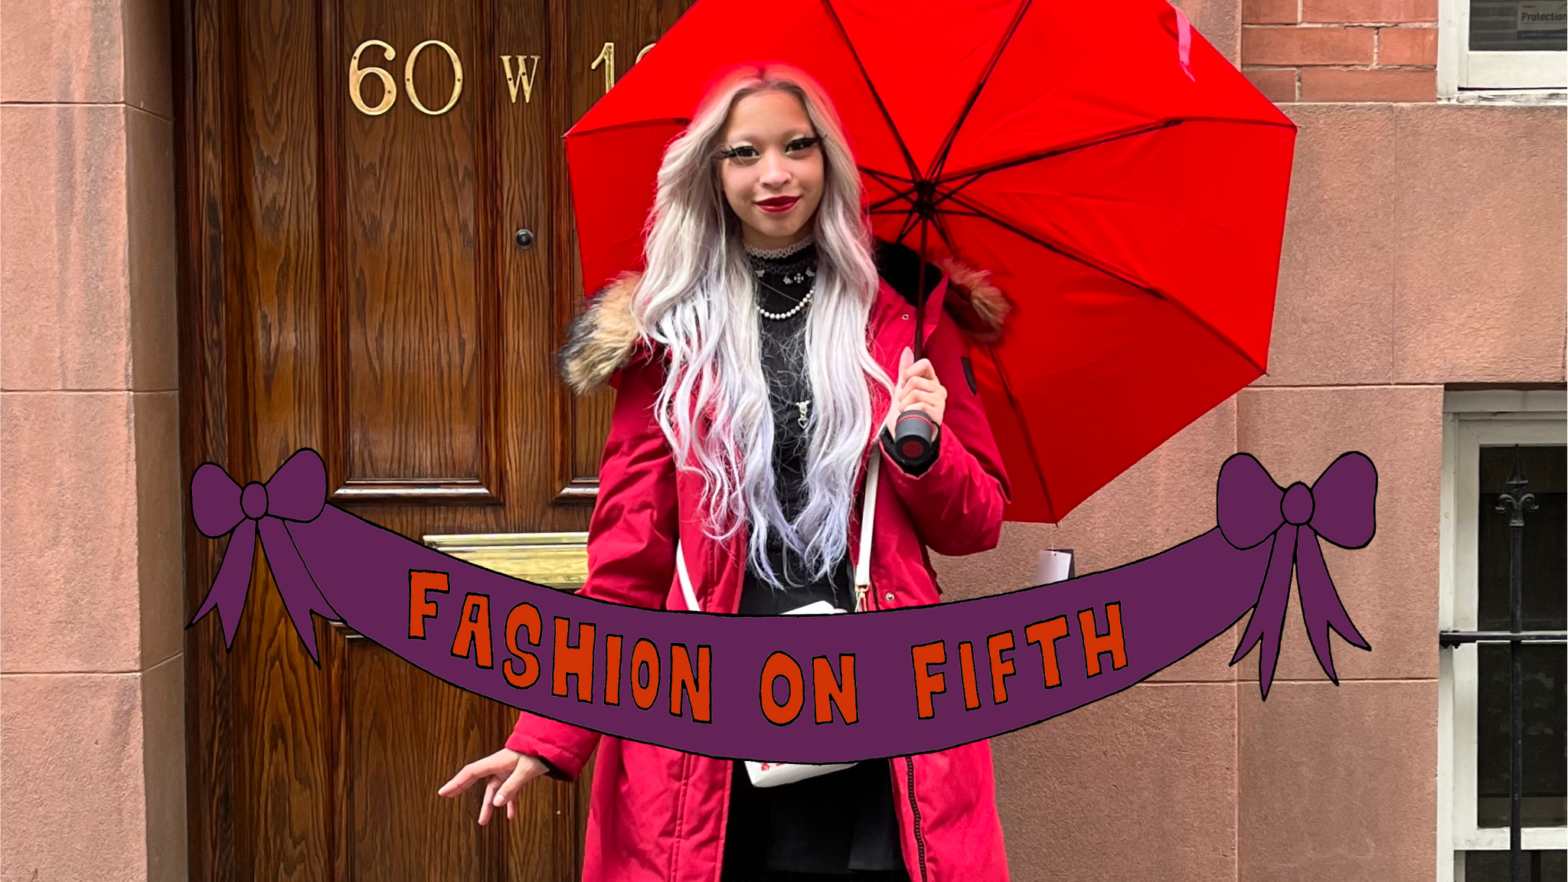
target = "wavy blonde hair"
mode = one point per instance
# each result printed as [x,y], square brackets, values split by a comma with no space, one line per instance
[696,300]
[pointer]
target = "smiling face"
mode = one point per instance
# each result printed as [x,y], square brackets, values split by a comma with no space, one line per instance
[771,168]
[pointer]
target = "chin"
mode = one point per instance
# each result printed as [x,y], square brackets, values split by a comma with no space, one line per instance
[778,228]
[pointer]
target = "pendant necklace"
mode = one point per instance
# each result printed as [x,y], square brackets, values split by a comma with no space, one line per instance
[796,275]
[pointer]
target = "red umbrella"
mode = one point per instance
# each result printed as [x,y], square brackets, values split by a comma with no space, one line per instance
[1124,184]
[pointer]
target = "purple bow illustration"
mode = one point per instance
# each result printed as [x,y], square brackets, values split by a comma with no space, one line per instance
[1339,506]
[297,492]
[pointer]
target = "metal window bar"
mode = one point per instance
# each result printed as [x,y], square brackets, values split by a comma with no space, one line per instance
[1515,503]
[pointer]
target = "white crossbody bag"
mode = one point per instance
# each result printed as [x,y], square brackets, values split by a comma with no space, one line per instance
[768,774]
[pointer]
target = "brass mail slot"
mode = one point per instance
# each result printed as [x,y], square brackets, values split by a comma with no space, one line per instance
[559,560]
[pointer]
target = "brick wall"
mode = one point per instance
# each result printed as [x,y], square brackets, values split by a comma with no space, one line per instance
[1341,50]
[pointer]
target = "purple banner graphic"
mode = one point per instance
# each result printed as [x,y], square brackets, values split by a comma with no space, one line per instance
[804,689]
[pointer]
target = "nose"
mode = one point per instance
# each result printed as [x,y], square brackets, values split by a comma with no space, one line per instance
[774,172]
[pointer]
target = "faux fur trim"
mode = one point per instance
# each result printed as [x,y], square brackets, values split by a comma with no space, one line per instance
[602,339]
[975,303]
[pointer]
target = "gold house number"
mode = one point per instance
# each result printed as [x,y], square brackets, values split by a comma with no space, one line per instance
[357,74]
[607,58]
[522,77]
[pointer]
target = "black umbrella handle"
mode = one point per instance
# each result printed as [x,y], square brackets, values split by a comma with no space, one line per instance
[914,432]
[913,437]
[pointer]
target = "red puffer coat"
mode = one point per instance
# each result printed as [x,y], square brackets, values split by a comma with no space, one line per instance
[659,814]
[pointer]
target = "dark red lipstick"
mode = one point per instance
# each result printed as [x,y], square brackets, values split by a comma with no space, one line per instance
[778,203]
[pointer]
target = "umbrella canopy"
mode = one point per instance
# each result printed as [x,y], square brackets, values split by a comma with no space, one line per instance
[1122,182]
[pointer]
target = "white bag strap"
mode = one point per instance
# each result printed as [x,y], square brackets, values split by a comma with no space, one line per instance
[680,570]
[868,514]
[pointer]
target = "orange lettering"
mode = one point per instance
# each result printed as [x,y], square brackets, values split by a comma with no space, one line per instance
[779,664]
[683,682]
[645,660]
[612,669]
[473,631]
[1001,668]
[1046,634]
[573,660]
[825,688]
[928,684]
[966,667]
[523,615]
[419,608]
[1111,641]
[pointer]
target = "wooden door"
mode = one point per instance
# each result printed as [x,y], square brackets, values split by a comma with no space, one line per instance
[353,177]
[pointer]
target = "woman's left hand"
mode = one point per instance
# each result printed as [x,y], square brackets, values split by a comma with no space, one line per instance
[917,389]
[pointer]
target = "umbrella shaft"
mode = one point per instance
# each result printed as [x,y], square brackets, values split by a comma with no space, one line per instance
[920,295]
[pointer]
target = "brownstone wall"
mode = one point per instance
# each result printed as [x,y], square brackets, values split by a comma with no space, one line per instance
[92,722]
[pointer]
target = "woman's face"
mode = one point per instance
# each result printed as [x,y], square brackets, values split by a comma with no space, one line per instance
[772,168]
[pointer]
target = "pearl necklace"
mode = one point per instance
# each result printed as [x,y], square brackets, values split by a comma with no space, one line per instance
[792,311]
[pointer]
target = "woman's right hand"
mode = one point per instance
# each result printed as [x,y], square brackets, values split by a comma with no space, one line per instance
[504,772]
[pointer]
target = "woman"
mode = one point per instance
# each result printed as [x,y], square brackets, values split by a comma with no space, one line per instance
[767,308]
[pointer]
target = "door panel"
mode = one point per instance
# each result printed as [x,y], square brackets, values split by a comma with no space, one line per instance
[353,281]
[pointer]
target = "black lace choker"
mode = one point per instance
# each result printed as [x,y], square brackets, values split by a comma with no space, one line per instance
[780,253]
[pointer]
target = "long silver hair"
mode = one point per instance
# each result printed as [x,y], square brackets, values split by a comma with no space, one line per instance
[696,300]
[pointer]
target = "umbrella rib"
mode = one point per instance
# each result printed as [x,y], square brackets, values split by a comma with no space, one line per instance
[1023,426]
[913,217]
[879,207]
[947,212]
[977,174]
[883,177]
[974,96]
[1154,292]
[936,221]
[898,196]
[1143,130]
[850,44]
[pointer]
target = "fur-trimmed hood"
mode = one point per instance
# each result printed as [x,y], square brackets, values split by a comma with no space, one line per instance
[602,339]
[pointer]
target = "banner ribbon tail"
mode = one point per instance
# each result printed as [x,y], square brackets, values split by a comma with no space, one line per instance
[1320,603]
[1268,617]
[301,595]
[233,581]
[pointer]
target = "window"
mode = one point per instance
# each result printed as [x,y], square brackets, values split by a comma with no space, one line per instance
[1502,46]
[1483,433]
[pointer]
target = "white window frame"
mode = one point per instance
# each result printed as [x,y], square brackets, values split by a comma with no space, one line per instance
[1470,421]
[1487,77]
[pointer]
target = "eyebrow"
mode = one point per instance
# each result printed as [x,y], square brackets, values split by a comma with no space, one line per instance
[794,135]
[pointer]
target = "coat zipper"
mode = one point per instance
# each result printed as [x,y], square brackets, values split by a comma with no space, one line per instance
[920,842]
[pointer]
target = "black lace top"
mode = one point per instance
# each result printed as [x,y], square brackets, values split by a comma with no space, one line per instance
[784,282]
[844,820]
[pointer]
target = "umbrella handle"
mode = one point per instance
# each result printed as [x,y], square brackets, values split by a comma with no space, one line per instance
[913,435]
[915,432]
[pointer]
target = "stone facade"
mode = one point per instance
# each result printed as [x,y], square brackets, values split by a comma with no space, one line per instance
[92,723]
